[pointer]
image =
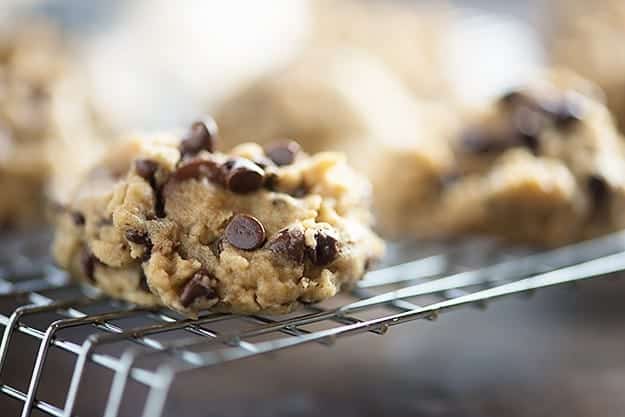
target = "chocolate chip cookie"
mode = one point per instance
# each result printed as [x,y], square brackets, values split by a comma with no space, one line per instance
[42,104]
[588,39]
[544,164]
[177,223]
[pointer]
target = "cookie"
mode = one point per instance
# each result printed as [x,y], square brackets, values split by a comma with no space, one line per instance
[177,223]
[541,165]
[42,104]
[356,104]
[588,39]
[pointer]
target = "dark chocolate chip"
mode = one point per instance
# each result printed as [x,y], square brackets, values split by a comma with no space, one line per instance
[245,232]
[476,141]
[243,176]
[569,112]
[283,153]
[141,238]
[326,249]
[199,168]
[300,192]
[271,181]
[200,137]
[528,125]
[197,287]
[512,97]
[143,282]
[88,263]
[146,168]
[217,246]
[159,202]
[137,236]
[290,244]
[598,189]
[78,218]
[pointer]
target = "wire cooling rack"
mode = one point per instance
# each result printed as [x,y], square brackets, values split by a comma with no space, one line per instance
[43,303]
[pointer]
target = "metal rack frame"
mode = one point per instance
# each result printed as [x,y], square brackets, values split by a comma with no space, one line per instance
[399,289]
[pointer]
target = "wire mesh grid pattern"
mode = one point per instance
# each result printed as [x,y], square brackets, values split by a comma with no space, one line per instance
[418,289]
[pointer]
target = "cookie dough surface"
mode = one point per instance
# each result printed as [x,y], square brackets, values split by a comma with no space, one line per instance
[544,164]
[251,230]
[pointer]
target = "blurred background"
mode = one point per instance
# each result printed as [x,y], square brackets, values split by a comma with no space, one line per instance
[156,64]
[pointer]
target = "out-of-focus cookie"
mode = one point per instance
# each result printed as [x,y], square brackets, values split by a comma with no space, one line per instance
[588,38]
[544,164]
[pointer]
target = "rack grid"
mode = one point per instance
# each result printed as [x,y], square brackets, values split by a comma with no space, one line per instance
[417,289]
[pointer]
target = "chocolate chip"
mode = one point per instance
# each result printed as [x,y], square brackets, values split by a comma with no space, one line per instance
[88,263]
[568,112]
[217,246]
[245,232]
[290,244]
[198,286]
[143,282]
[78,218]
[283,153]
[476,141]
[512,97]
[528,125]
[199,168]
[243,176]
[141,238]
[326,250]
[300,192]
[159,202]
[200,137]
[598,189]
[146,168]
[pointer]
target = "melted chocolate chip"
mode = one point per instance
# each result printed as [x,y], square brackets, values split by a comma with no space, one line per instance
[598,189]
[326,250]
[290,244]
[200,137]
[243,176]
[283,153]
[141,238]
[245,232]
[88,263]
[78,218]
[197,287]
[199,168]
[159,204]
[146,168]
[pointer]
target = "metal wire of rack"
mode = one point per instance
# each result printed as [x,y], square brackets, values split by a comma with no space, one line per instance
[419,289]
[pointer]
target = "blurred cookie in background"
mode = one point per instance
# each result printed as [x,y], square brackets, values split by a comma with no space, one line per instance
[543,164]
[588,37]
[355,104]
[45,119]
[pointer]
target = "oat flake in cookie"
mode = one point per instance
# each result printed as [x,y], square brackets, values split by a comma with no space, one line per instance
[165,221]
